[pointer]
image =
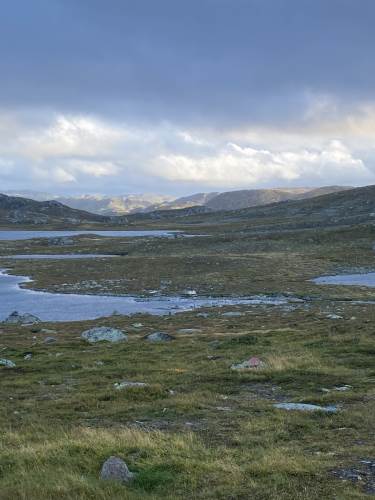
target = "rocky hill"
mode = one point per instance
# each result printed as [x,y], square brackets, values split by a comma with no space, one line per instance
[16,210]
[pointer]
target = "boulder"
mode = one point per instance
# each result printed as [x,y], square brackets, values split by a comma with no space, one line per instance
[7,363]
[104,333]
[15,318]
[115,469]
[159,337]
[49,340]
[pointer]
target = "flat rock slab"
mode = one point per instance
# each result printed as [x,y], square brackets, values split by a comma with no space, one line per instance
[104,334]
[305,407]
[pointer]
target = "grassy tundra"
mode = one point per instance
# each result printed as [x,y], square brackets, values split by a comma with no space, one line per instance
[199,429]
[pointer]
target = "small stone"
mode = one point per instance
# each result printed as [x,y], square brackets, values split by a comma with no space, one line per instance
[189,330]
[104,333]
[7,363]
[115,469]
[343,388]
[127,384]
[232,314]
[48,331]
[137,325]
[215,344]
[333,316]
[159,337]
[49,340]
[28,356]
[202,315]
[15,318]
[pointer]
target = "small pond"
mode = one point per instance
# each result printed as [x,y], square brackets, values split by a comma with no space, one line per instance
[76,307]
[28,235]
[366,279]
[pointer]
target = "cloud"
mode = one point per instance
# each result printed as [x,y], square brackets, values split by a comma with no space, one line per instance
[67,136]
[88,153]
[235,166]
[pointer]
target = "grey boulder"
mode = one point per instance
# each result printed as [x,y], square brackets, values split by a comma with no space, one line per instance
[115,469]
[159,337]
[49,340]
[104,334]
[21,319]
[7,363]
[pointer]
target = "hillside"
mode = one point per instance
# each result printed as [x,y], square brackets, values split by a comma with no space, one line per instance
[235,200]
[347,207]
[16,210]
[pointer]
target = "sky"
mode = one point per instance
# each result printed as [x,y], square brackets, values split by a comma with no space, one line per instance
[183,96]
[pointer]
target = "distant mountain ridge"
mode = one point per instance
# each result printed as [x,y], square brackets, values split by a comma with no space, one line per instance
[145,203]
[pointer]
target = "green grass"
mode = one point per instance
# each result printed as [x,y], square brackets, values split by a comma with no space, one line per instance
[200,429]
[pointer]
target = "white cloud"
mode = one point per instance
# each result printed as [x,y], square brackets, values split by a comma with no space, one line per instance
[235,166]
[89,152]
[67,136]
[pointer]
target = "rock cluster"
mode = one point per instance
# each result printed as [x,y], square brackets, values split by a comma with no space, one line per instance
[15,318]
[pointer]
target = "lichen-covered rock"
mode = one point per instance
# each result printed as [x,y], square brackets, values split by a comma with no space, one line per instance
[21,319]
[249,364]
[159,337]
[7,363]
[115,469]
[104,334]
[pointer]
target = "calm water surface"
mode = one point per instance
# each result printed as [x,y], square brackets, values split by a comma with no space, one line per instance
[28,235]
[366,279]
[75,307]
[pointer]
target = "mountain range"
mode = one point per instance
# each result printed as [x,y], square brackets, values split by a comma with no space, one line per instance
[144,203]
[305,209]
